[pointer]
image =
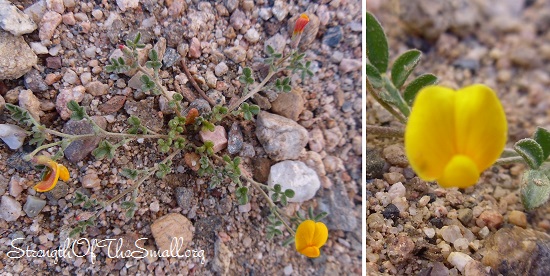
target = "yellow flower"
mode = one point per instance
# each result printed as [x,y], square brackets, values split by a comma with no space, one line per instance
[310,237]
[55,171]
[452,136]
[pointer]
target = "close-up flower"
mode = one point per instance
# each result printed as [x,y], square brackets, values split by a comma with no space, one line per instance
[300,25]
[453,136]
[310,237]
[50,178]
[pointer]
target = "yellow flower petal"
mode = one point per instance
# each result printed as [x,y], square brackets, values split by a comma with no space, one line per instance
[480,125]
[63,172]
[310,237]
[311,252]
[321,235]
[429,135]
[460,172]
[304,234]
[49,182]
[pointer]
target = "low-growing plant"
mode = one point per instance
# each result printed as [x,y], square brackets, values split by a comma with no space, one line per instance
[178,139]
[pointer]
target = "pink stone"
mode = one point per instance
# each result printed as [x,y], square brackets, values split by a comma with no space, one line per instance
[218,137]
[48,24]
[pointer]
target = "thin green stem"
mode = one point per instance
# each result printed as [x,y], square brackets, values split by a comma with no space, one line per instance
[159,85]
[374,94]
[34,152]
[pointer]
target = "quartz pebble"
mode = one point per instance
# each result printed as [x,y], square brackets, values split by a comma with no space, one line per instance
[33,206]
[10,209]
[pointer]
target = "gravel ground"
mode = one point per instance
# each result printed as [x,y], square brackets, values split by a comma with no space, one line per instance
[416,227]
[74,40]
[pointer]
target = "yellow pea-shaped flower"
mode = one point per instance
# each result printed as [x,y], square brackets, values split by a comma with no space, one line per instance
[55,172]
[310,237]
[453,136]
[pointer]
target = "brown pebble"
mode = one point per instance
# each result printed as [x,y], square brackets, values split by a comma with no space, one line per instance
[490,218]
[518,218]
[53,62]
[113,105]
[192,160]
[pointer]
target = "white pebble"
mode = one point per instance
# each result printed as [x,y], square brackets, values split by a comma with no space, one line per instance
[459,260]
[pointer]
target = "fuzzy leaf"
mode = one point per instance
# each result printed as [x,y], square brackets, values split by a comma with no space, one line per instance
[542,136]
[403,67]
[531,152]
[374,76]
[534,188]
[416,85]
[377,44]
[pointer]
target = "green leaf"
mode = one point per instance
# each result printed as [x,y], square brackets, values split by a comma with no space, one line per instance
[284,200]
[270,50]
[242,195]
[137,38]
[289,193]
[416,85]
[374,76]
[288,241]
[177,97]
[77,111]
[277,188]
[274,196]
[153,55]
[531,152]
[320,216]
[247,72]
[534,188]
[403,67]
[133,120]
[377,44]
[542,136]
[129,173]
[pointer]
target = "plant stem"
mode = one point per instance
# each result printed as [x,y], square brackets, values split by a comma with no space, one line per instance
[253,92]
[194,83]
[374,94]
[509,160]
[34,152]
[158,84]
[385,131]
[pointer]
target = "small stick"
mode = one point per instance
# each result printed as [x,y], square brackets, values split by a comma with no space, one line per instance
[194,83]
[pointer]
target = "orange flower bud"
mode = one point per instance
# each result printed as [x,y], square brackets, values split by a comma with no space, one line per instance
[301,23]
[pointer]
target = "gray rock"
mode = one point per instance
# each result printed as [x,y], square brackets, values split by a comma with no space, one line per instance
[35,82]
[247,150]
[60,191]
[333,36]
[295,175]
[235,139]
[10,209]
[348,65]
[15,21]
[221,69]
[222,258]
[33,206]
[142,110]
[16,57]
[201,105]
[185,199]
[12,135]
[339,207]
[280,9]
[79,149]
[316,140]
[231,5]
[170,58]
[237,19]
[17,162]
[280,137]
[207,228]
[375,164]
[252,35]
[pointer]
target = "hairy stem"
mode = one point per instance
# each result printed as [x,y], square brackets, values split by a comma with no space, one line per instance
[374,94]
[385,131]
